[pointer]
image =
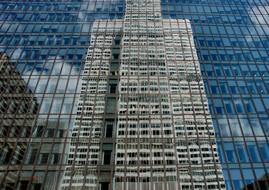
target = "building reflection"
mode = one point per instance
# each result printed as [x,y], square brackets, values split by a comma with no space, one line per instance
[18,110]
[262,183]
[46,152]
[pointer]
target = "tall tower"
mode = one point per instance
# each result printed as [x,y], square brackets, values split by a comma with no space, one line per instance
[18,113]
[142,121]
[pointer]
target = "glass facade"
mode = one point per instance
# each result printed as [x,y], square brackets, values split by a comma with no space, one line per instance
[57,117]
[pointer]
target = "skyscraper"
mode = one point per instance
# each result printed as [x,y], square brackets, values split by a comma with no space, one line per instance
[124,94]
[18,110]
[143,120]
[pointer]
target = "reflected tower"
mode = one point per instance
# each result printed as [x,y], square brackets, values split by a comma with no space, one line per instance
[18,111]
[142,120]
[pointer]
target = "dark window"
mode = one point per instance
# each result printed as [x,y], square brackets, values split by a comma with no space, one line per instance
[24,184]
[33,156]
[44,158]
[8,155]
[37,186]
[109,129]
[115,56]
[107,157]
[113,88]
[104,185]
[56,158]
[117,42]
[219,110]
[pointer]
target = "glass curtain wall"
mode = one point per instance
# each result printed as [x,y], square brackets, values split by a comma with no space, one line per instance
[43,47]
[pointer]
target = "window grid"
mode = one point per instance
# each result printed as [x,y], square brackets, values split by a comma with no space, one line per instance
[47,43]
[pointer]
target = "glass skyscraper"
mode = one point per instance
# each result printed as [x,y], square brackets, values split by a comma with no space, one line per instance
[135,94]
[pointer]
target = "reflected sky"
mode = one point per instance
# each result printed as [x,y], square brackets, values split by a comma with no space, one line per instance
[33,54]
